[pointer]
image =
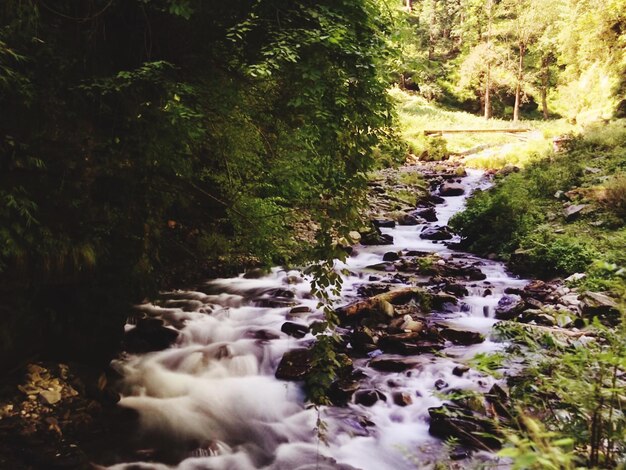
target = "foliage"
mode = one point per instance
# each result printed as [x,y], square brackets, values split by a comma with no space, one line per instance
[566,57]
[537,448]
[525,216]
[575,389]
[507,210]
[548,254]
[147,139]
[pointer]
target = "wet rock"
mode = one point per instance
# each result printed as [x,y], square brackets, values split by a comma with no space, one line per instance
[411,325]
[341,391]
[402,398]
[389,364]
[462,337]
[391,256]
[460,370]
[596,303]
[149,335]
[277,302]
[263,335]
[460,453]
[471,429]
[294,365]
[436,233]
[451,189]
[408,344]
[384,223]
[456,289]
[376,238]
[428,200]
[300,309]
[429,214]
[370,290]
[281,293]
[474,274]
[509,306]
[487,293]
[363,340]
[296,330]
[408,220]
[386,267]
[440,384]
[368,397]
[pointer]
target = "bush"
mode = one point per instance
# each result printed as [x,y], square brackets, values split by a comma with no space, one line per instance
[544,253]
[496,220]
[615,195]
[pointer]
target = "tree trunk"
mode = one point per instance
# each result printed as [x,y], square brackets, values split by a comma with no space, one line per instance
[431,32]
[409,6]
[518,87]
[488,75]
[545,80]
[488,93]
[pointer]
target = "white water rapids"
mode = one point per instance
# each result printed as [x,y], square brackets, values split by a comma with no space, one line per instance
[212,398]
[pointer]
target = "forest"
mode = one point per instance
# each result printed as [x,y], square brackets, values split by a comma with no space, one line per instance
[333,234]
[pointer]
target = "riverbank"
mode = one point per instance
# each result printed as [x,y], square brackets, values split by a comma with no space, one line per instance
[420,348]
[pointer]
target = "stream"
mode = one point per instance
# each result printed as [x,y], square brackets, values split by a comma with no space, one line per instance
[211,401]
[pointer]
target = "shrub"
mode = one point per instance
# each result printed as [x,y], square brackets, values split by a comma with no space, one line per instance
[615,195]
[496,220]
[544,253]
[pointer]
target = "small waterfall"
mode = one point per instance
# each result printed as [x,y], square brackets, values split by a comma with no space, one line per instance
[212,399]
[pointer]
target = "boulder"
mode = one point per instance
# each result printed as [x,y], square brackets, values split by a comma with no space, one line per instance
[149,335]
[408,344]
[429,200]
[368,397]
[386,223]
[596,303]
[436,233]
[297,330]
[429,214]
[408,219]
[391,256]
[451,189]
[390,364]
[299,310]
[460,370]
[509,306]
[470,428]
[294,365]
[341,391]
[462,337]
[262,335]
[363,340]
[402,398]
[574,211]
[458,290]
[376,238]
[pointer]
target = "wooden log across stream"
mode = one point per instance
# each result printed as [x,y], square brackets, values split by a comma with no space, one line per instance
[474,131]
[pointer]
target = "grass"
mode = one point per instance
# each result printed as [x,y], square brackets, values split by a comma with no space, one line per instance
[417,114]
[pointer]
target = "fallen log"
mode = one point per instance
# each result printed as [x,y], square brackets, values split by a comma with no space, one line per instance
[384,303]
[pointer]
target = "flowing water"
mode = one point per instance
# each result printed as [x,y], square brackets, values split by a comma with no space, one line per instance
[212,402]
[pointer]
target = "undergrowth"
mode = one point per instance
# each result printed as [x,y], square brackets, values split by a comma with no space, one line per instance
[523,219]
